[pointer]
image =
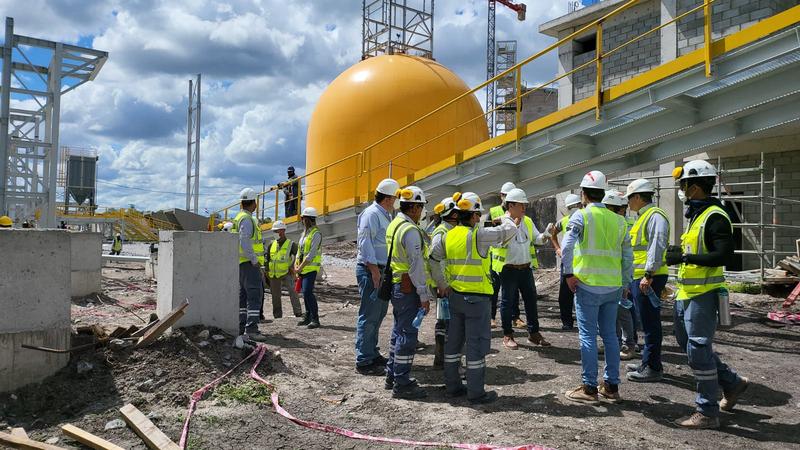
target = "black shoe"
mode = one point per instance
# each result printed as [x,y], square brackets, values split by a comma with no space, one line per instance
[380,360]
[632,367]
[409,392]
[388,383]
[567,327]
[460,392]
[298,314]
[487,397]
[372,369]
[304,322]
[313,324]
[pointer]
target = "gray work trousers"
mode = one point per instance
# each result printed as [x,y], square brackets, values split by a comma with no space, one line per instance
[469,324]
[626,334]
[275,290]
[251,296]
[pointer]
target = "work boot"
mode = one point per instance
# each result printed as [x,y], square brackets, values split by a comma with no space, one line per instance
[698,421]
[583,394]
[627,353]
[731,397]
[256,336]
[313,324]
[457,393]
[305,321]
[538,339]
[298,314]
[518,323]
[567,327]
[388,382]
[421,346]
[644,375]
[380,360]
[633,367]
[487,397]
[510,343]
[411,391]
[610,392]
[372,369]
[438,353]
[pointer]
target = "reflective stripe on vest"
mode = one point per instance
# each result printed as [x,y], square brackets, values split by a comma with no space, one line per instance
[469,271]
[258,244]
[598,255]
[640,243]
[395,231]
[694,280]
[279,259]
[499,254]
[307,238]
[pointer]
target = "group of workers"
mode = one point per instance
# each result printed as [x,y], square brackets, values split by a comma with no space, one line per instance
[613,272]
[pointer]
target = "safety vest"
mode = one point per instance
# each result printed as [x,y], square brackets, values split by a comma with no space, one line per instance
[395,232]
[639,242]
[440,230]
[279,259]
[316,263]
[258,244]
[468,270]
[117,245]
[496,211]
[598,255]
[499,253]
[694,280]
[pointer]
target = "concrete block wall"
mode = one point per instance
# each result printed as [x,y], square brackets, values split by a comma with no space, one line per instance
[86,263]
[35,294]
[203,267]
[727,17]
[539,104]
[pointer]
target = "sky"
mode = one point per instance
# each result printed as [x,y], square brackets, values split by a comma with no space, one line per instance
[265,63]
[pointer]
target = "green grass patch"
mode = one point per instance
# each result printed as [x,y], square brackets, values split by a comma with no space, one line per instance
[744,288]
[247,392]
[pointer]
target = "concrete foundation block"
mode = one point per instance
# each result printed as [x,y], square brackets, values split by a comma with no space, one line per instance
[86,263]
[35,291]
[203,267]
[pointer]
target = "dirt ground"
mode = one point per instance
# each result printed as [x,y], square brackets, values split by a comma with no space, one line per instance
[314,370]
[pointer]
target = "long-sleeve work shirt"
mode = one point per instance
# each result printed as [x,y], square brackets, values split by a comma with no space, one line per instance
[657,239]
[372,224]
[246,231]
[412,244]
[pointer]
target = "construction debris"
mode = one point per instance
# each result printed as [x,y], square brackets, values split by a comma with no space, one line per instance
[88,439]
[26,443]
[150,434]
[163,325]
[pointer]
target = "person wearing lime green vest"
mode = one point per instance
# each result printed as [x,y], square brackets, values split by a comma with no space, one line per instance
[649,238]
[251,280]
[408,244]
[495,215]
[447,212]
[280,270]
[514,261]
[464,252]
[598,266]
[566,298]
[705,247]
[307,265]
[116,246]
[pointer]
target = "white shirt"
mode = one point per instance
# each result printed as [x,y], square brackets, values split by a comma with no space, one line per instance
[519,247]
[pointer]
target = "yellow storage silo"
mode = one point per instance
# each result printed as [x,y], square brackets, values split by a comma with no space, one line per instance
[371,100]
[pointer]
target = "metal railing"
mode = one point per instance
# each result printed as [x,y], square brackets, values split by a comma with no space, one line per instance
[363,159]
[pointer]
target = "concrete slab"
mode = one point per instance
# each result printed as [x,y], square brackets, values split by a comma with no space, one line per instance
[203,267]
[86,263]
[36,304]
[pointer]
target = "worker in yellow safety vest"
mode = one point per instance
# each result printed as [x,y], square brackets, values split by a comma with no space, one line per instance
[465,252]
[598,266]
[308,264]
[279,265]
[251,258]
[116,245]
[495,215]
[705,247]
[566,298]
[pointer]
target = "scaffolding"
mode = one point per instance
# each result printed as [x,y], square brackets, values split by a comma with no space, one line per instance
[505,88]
[397,27]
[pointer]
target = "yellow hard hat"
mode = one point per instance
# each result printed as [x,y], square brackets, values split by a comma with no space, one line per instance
[6,222]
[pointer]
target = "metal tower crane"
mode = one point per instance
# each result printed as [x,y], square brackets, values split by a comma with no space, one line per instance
[520,9]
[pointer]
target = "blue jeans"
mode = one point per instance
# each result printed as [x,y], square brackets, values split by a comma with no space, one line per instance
[598,312]
[403,344]
[309,298]
[695,324]
[651,322]
[371,312]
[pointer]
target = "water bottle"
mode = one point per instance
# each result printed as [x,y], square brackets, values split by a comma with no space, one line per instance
[443,309]
[654,300]
[418,320]
[724,310]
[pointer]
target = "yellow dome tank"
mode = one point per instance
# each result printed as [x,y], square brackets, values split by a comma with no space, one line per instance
[373,99]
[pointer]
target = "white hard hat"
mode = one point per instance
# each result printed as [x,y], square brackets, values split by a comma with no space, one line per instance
[227,226]
[507,187]
[388,187]
[278,225]
[309,211]
[516,195]
[572,200]
[594,180]
[468,201]
[614,197]
[247,194]
[640,185]
[411,194]
[445,207]
[694,169]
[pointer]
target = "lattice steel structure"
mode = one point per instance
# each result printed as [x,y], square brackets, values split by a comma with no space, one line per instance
[505,88]
[490,66]
[30,112]
[193,148]
[397,26]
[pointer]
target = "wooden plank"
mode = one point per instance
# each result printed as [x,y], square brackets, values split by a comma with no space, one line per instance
[88,439]
[19,432]
[792,298]
[150,434]
[21,442]
[163,325]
